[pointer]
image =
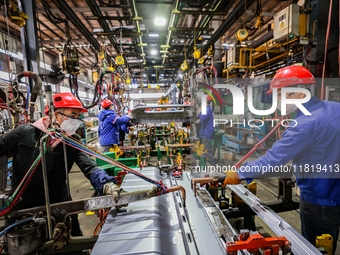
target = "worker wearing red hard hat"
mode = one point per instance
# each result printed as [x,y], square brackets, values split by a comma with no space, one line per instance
[312,143]
[23,143]
[110,124]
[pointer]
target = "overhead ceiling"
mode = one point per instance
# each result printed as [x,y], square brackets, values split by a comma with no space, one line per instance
[126,27]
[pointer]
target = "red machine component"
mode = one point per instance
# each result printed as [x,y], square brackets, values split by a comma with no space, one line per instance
[255,243]
[120,177]
[177,174]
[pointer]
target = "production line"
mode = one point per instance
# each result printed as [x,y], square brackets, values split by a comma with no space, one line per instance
[169,127]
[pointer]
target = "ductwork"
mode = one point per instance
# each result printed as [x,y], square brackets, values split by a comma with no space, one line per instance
[230,20]
[266,37]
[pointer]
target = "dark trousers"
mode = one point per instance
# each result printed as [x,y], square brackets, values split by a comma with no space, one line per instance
[317,220]
[208,147]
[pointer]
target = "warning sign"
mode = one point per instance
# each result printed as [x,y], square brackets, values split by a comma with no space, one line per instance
[282,25]
[282,20]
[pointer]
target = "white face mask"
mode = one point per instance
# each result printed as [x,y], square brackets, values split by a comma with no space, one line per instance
[290,108]
[70,126]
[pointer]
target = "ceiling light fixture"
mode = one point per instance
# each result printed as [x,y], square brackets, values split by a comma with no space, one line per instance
[153,52]
[154,35]
[160,21]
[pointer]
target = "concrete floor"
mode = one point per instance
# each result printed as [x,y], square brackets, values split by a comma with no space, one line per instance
[266,191]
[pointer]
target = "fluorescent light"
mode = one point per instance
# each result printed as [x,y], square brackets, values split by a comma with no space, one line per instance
[153,52]
[160,21]
[154,35]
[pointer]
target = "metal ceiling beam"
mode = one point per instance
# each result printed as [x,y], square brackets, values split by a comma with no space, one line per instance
[113,18]
[136,22]
[52,41]
[124,33]
[86,9]
[198,12]
[96,11]
[171,23]
[228,22]
[191,29]
[70,14]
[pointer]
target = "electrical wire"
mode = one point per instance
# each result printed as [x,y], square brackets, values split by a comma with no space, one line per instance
[52,18]
[70,141]
[15,225]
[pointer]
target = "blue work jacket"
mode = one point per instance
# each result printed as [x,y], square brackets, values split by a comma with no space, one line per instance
[313,145]
[108,130]
[206,124]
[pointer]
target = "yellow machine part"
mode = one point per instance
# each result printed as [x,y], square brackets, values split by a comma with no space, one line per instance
[201,61]
[120,60]
[117,151]
[303,24]
[16,16]
[210,51]
[325,241]
[197,53]
[184,66]
[242,34]
[199,147]
[163,100]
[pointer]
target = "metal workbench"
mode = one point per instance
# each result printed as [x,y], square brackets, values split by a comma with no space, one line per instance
[161,225]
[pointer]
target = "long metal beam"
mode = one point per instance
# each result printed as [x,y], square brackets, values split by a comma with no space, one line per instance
[113,18]
[70,14]
[124,34]
[192,29]
[199,12]
[85,9]
[300,246]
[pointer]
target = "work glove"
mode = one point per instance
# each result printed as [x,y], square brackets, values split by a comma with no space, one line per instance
[228,178]
[112,189]
[130,115]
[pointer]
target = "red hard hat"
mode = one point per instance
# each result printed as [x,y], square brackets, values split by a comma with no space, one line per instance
[291,75]
[209,98]
[67,100]
[106,103]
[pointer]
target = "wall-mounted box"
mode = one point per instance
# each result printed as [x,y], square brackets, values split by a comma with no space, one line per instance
[286,23]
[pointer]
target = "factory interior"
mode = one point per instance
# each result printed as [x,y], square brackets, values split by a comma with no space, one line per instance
[164,65]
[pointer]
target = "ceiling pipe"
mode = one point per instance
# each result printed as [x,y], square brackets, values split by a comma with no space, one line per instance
[135,14]
[266,37]
[171,24]
[97,12]
[70,15]
[230,20]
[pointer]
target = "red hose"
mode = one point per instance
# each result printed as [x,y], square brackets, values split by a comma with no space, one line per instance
[322,96]
[238,164]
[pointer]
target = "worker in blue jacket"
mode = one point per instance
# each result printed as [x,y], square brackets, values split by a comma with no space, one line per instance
[312,142]
[206,130]
[109,124]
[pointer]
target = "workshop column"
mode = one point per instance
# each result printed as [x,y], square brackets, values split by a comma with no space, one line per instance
[30,45]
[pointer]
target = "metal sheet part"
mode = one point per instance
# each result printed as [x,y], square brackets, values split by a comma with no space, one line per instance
[300,246]
[107,201]
[172,113]
[159,225]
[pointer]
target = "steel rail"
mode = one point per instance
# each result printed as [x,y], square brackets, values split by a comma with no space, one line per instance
[280,227]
